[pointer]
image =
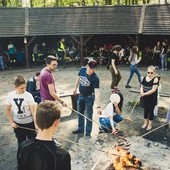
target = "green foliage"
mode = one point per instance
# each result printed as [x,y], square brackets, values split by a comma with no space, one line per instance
[132,103]
[53,3]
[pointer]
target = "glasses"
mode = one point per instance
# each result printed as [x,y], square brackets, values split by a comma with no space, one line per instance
[150,72]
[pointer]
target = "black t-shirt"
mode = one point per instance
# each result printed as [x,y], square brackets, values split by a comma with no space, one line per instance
[116,58]
[147,85]
[42,155]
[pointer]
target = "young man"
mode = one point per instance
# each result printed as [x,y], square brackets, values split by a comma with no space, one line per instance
[48,90]
[88,83]
[61,51]
[32,87]
[42,153]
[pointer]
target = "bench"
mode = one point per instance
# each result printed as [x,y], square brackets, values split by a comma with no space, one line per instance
[73,99]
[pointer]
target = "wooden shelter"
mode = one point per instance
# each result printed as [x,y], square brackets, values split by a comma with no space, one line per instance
[83,22]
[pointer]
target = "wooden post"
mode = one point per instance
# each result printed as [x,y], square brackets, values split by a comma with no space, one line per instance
[81,50]
[26,53]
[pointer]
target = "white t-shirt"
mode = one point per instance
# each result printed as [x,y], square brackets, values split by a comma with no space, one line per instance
[108,111]
[21,106]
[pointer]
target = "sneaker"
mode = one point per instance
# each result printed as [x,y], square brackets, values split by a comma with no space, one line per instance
[77,131]
[165,68]
[57,143]
[127,86]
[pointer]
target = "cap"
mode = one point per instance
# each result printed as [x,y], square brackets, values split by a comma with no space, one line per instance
[92,64]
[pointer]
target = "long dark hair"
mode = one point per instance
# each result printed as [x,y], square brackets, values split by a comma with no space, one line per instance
[134,51]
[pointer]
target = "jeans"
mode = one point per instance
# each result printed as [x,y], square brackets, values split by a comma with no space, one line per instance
[164,61]
[105,121]
[134,69]
[85,106]
[23,134]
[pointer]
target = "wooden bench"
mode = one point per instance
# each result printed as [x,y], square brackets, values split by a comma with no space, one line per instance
[73,99]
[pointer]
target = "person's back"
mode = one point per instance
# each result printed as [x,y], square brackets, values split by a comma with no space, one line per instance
[42,155]
[32,87]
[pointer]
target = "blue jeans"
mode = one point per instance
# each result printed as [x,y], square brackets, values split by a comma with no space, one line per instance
[105,121]
[134,69]
[85,106]
[164,61]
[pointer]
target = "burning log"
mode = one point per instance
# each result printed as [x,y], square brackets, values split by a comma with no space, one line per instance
[125,161]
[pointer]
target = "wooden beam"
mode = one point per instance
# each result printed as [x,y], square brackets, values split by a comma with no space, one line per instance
[87,39]
[27,44]
[142,19]
[81,43]
[134,42]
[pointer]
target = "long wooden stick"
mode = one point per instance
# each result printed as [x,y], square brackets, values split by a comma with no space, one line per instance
[160,94]
[102,157]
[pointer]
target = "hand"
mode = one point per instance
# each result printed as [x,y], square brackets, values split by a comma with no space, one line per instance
[14,125]
[115,104]
[99,110]
[116,72]
[64,104]
[114,132]
[142,94]
[75,92]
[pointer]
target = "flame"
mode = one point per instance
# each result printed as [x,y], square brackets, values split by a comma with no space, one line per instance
[125,159]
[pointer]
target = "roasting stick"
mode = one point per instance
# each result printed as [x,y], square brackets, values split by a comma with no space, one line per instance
[86,117]
[86,146]
[93,168]
[129,117]
[149,132]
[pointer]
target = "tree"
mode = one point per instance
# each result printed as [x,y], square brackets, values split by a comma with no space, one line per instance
[4,3]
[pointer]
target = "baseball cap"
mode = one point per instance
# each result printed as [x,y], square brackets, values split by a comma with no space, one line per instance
[92,64]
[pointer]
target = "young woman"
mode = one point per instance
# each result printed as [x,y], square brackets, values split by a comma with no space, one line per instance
[134,60]
[22,105]
[111,115]
[148,90]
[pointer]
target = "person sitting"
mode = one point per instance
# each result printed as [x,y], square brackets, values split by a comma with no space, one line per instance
[111,114]
[32,87]
[42,153]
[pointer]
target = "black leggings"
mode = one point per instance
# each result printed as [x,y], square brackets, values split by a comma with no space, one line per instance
[23,134]
[148,111]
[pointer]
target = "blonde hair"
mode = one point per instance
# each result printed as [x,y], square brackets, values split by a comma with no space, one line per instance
[152,68]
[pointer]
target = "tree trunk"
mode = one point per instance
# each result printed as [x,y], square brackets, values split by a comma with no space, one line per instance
[4,3]
[108,2]
[83,3]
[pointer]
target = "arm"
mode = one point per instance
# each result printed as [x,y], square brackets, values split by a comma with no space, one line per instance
[76,85]
[117,109]
[9,116]
[98,100]
[112,125]
[33,109]
[54,94]
[113,65]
